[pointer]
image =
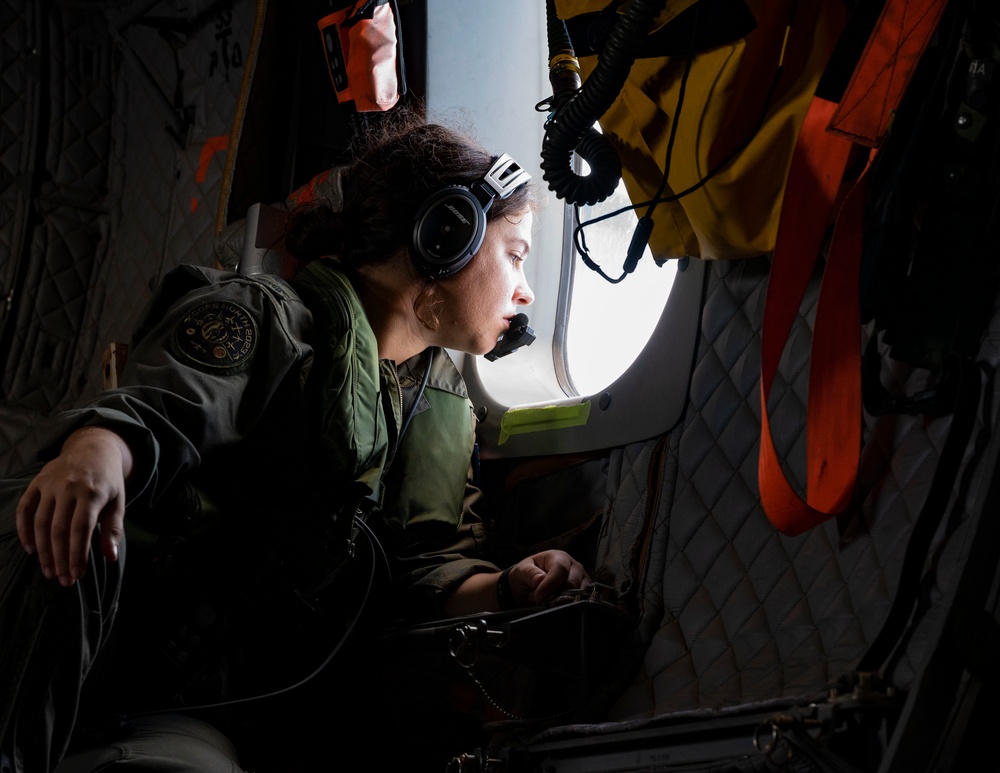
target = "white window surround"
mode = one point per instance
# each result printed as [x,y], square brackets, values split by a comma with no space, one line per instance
[645,401]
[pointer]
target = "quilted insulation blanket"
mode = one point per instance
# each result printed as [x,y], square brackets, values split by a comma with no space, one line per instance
[734,615]
[116,129]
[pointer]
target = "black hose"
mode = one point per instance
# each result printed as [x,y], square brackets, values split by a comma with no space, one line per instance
[571,126]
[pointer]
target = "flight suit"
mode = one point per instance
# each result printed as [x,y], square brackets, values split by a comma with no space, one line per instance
[261,421]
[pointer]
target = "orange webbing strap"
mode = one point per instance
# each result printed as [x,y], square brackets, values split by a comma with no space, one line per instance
[305,194]
[891,55]
[833,423]
[834,410]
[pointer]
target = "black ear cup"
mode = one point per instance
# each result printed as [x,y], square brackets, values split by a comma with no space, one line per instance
[450,226]
[448,230]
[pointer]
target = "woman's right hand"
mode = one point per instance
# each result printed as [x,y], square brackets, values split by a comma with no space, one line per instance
[82,487]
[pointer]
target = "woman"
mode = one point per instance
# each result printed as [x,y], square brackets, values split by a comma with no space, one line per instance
[257,417]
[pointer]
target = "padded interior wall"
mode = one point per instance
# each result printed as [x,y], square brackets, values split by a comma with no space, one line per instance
[733,614]
[117,119]
[133,131]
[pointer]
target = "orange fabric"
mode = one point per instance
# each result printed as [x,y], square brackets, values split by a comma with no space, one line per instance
[306,194]
[211,146]
[886,67]
[367,57]
[335,44]
[833,427]
[822,152]
[371,61]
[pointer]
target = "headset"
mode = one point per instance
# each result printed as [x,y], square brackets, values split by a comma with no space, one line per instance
[450,225]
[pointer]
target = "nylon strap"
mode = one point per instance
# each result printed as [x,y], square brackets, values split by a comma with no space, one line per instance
[829,132]
[833,419]
[902,32]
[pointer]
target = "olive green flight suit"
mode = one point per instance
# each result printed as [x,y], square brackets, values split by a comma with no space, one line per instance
[255,410]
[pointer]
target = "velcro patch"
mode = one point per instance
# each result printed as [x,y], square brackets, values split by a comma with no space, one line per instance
[218,335]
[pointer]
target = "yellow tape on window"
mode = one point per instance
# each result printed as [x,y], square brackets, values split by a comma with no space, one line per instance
[519,421]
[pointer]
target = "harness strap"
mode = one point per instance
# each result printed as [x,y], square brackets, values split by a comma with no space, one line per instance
[833,420]
[824,148]
[864,114]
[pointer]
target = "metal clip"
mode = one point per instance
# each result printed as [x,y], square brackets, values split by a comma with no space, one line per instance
[769,746]
[468,638]
[461,645]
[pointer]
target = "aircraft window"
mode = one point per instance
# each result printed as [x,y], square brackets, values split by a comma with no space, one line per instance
[595,351]
[573,389]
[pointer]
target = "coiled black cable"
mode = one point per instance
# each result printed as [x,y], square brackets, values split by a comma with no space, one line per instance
[570,128]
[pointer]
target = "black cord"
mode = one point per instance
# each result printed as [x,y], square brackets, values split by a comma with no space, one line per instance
[640,236]
[578,238]
[376,549]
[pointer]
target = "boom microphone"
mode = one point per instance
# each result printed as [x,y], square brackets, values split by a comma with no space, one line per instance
[517,335]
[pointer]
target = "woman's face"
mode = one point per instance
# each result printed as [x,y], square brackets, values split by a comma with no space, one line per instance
[481,298]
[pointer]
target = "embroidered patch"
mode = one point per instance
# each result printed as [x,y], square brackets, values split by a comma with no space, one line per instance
[217,336]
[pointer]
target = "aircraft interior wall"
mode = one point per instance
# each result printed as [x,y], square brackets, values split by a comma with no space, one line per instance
[136,133]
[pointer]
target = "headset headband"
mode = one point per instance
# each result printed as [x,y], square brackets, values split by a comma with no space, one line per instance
[505,176]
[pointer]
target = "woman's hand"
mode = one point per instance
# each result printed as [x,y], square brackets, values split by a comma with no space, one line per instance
[82,487]
[532,581]
[538,578]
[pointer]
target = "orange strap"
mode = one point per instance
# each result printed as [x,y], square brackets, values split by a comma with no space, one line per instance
[829,133]
[306,194]
[833,423]
[884,71]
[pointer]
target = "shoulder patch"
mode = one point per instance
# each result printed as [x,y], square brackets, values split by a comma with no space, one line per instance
[216,336]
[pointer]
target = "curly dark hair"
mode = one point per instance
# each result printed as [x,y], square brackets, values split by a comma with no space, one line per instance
[393,171]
